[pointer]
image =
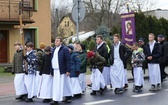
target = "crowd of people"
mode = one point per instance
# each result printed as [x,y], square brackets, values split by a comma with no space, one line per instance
[57,74]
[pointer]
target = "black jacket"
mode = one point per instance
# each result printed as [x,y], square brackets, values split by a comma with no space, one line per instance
[103,51]
[124,53]
[165,52]
[156,53]
[46,65]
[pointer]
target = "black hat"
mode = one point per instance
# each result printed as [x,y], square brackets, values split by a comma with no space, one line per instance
[160,36]
[141,40]
[83,46]
[47,48]
[70,46]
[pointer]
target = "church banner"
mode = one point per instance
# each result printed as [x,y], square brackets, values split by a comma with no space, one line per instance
[128,28]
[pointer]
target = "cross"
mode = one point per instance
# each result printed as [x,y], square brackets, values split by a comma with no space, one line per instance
[21,26]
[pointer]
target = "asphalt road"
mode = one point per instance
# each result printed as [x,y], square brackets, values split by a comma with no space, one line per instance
[109,98]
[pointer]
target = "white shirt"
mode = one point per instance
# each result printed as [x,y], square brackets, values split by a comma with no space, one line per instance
[27,53]
[151,45]
[55,64]
[99,45]
[116,52]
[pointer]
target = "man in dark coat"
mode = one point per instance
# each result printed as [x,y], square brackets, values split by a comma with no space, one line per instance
[61,65]
[119,53]
[152,53]
[102,49]
[161,61]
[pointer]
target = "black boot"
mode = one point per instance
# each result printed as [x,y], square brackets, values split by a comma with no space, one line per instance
[101,91]
[67,99]
[19,97]
[29,100]
[54,103]
[47,100]
[93,93]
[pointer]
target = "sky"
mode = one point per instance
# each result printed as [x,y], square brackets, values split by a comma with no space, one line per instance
[160,4]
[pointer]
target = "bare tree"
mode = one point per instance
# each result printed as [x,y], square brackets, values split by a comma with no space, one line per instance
[58,10]
[107,12]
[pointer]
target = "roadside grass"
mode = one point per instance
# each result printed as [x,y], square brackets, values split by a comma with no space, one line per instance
[3,73]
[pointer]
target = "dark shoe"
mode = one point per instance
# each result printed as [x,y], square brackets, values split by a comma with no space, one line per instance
[47,100]
[158,87]
[101,91]
[136,89]
[77,95]
[118,91]
[54,103]
[93,93]
[19,97]
[90,85]
[66,100]
[25,96]
[153,88]
[126,86]
[29,100]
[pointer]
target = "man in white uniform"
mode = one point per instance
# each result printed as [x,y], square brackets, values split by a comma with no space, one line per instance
[152,52]
[119,53]
[61,65]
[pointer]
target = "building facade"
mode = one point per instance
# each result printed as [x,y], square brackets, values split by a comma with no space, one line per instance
[159,13]
[66,27]
[36,18]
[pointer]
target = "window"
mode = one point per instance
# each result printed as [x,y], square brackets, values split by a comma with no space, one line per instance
[65,23]
[29,4]
[68,23]
[29,35]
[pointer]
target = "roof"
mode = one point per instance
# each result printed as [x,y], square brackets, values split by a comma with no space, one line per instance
[68,15]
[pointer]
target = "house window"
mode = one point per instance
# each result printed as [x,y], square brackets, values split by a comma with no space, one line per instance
[29,4]
[29,35]
[65,23]
[71,33]
[68,23]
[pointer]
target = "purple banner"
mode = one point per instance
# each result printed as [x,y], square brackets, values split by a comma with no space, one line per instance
[128,28]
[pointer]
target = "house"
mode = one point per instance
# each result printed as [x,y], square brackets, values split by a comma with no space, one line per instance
[159,13]
[66,27]
[36,18]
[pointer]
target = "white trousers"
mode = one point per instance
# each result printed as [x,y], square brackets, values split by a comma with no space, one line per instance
[117,74]
[61,86]
[38,78]
[82,81]
[30,85]
[106,75]
[45,87]
[125,77]
[19,84]
[76,86]
[154,74]
[138,76]
[97,80]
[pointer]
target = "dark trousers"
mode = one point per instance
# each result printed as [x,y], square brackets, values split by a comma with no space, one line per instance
[162,72]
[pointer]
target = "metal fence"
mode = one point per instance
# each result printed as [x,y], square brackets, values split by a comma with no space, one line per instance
[11,10]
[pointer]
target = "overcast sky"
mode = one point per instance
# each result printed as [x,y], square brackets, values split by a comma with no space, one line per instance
[161,4]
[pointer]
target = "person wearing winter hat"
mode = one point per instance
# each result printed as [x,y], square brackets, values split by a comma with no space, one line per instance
[45,91]
[40,53]
[97,63]
[75,64]
[119,55]
[83,68]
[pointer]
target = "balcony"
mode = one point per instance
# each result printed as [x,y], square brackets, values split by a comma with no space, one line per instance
[10,10]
